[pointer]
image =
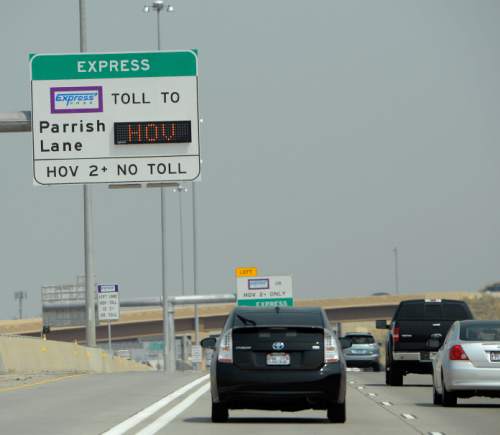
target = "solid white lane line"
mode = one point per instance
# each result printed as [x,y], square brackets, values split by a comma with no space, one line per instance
[152,409]
[166,418]
[408,416]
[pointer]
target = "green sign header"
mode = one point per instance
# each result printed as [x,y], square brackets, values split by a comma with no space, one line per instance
[114,65]
[278,302]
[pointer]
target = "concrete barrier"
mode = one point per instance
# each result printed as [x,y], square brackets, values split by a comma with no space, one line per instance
[33,355]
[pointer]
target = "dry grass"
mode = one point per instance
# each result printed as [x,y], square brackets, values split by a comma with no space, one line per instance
[485,307]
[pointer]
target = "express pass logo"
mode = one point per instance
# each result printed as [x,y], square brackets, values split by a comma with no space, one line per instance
[81,99]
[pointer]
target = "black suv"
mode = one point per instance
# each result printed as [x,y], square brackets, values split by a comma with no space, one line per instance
[279,358]
[416,332]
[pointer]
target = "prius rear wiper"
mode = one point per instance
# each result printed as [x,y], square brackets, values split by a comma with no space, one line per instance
[246,321]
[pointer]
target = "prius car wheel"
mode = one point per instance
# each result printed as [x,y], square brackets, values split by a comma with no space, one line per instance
[220,413]
[336,413]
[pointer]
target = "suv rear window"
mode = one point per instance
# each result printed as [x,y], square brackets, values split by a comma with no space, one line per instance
[281,318]
[480,331]
[421,310]
[361,339]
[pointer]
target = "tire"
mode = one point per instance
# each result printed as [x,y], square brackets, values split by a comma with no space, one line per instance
[336,413]
[393,376]
[437,399]
[449,398]
[220,413]
[376,367]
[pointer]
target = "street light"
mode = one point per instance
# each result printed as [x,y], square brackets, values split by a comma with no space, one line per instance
[396,269]
[20,296]
[180,190]
[158,6]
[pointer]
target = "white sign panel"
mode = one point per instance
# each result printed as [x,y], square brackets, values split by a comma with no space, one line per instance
[196,353]
[108,302]
[264,291]
[115,117]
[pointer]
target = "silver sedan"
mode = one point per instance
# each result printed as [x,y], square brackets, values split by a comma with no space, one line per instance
[468,362]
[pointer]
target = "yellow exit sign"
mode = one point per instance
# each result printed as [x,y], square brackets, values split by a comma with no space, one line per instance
[246,271]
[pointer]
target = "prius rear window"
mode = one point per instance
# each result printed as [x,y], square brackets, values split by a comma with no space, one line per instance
[255,318]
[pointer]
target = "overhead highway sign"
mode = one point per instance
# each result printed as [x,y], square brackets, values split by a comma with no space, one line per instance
[115,117]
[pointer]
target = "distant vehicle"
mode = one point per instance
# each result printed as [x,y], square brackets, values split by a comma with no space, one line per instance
[123,353]
[492,289]
[280,358]
[364,352]
[381,294]
[416,332]
[468,362]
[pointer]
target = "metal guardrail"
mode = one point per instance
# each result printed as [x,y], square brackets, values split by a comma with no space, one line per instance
[131,303]
[15,121]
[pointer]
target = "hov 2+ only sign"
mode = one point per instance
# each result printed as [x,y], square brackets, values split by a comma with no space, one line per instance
[115,117]
[264,291]
[108,302]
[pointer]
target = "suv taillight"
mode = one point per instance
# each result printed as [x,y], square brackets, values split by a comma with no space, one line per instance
[331,350]
[395,334]
[457,353]
[226,348]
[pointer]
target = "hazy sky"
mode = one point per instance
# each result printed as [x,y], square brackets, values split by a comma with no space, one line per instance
[334,131]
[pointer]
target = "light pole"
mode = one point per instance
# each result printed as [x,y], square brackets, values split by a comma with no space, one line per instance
[88,242]
[158,6]
[195,270]
[181,190]
[20,296]
[396,270]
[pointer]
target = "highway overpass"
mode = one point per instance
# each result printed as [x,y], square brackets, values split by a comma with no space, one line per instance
[147,322]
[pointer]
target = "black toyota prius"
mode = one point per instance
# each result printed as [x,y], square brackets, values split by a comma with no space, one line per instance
[277,358]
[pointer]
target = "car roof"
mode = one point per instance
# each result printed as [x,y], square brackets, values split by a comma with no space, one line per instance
[477,322]
[270,310]
[432,300]
[358,333]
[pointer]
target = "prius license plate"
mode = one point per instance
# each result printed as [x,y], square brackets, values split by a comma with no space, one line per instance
[278,359]
[495,356]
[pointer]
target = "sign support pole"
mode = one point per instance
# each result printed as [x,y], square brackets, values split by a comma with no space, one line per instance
[110,348]
[163,224]
[87,220]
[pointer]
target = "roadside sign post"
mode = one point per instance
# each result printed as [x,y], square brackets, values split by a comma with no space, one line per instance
[264,291]
[196,354]
[115,118]
[108,307]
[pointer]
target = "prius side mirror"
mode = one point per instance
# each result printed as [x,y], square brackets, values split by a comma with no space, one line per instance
[208,343]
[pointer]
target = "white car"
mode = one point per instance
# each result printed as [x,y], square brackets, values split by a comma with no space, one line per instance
[468,362]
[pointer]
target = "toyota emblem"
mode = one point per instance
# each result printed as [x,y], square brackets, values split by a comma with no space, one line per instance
[278,345]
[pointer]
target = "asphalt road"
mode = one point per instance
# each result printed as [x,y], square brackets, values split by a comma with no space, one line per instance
[129,404]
